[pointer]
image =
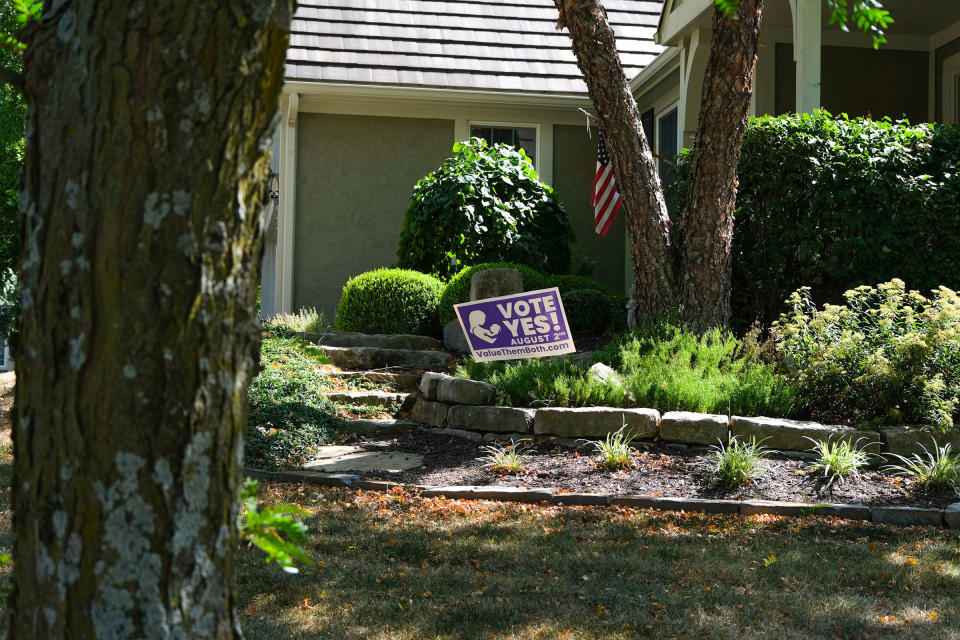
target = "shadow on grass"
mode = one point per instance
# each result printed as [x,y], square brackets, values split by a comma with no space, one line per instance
[410,568]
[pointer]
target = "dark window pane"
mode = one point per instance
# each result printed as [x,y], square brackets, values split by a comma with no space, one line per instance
[521,137]
[667,148]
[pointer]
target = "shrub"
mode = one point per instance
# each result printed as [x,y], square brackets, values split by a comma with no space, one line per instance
[390,301]
[838,459]
[484,204]
[736,462]
[457,290]
[840,202]
[938,469]
[592,311]
[887,356]
[569,282]
[289,414]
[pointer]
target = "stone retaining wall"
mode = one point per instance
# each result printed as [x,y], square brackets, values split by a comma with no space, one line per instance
[464,405]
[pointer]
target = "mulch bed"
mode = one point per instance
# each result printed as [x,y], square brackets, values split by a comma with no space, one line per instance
[658,470]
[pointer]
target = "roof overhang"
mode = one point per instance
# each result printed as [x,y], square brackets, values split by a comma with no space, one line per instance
[662,65]
[677,16]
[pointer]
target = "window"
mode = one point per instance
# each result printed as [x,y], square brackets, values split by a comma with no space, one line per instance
[668,148]
[521,137]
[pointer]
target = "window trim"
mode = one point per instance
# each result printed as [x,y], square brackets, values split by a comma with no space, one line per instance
[512,125]
[658,116]
[950,78]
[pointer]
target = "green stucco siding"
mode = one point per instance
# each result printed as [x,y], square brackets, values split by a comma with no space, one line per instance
[861,81]
[354,178]
[574,164]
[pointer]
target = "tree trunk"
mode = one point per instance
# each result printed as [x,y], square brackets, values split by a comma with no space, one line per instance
[707,223]
[147,140]
[644,208]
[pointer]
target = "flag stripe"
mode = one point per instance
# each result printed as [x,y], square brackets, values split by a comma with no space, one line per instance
[605,198]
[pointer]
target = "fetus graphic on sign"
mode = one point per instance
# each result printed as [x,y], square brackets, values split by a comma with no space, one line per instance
[477,320]
[523,325]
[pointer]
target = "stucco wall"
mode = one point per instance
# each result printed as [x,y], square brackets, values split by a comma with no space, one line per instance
[858,81]
[354,177]
[575,161]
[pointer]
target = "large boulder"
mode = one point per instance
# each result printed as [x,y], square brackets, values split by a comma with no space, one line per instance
[430,384]
[464,391]
[595,422]
[694,428]
[795,435]
[905,440]
[431,413]
[454,338]
[493,283]
[499,419]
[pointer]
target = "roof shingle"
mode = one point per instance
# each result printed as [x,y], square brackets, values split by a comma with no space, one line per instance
[469,44]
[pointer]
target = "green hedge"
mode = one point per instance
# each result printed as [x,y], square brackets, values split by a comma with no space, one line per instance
[484,204]
[390,301]
[835,203]
[593,311]
[569,282]
[457,290]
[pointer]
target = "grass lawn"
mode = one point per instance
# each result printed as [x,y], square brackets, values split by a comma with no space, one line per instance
[401,567]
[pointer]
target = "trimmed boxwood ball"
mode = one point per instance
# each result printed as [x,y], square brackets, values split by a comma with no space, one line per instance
[390,301]
[570,282]
[482,205]
[457,290]
[591,311]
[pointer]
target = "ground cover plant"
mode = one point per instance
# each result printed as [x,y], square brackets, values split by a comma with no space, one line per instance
[392,566]
[614,451]
[937,467]
[289,415]
[307,319]
[736,462]
[887,356]
[505,458]
[661,366]
[484,204]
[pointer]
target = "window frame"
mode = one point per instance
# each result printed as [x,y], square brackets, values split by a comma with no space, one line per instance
[950,81]
[512,125]
[673,105]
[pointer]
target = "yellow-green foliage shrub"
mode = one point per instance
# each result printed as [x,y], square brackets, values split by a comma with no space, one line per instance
[888,356]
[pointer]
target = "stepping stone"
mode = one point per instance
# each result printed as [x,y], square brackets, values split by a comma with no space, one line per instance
[378,340]
[379,426]
[401,381]
[385,399]
[376,358]
[336,458]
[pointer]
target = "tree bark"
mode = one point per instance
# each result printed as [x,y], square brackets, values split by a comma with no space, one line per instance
[707,222]
[644,208]
[147,152]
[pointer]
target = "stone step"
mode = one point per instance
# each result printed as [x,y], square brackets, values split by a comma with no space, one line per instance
[399,381]
[377,340]
[379,426]
[385,399]
[377,358]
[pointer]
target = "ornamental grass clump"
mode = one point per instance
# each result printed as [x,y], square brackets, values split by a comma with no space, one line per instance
[839,459]
[938,468]
[888,356]
[736,462]
[509,459]
[615,449]
[307,319]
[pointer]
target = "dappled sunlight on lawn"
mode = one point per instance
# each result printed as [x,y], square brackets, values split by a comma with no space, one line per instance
[398,566]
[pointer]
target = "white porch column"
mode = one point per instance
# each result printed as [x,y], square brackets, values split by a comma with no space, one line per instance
[288,192]
[806,53]
[694,55]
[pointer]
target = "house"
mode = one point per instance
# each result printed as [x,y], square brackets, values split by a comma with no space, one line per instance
[377,92]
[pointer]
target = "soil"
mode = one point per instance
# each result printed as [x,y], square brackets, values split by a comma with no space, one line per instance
[657,470]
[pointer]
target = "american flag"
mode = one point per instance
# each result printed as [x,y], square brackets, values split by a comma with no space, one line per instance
[605,199]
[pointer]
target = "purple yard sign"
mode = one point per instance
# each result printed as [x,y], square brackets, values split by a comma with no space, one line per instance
[531,324]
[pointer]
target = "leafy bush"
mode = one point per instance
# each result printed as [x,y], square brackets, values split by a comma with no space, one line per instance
[887,356]
[289,414]
[736,462]
[838,459]
[661,366]
[484,204]
[840,202]
[307,319]
[592,311]
[457,290]
[390,301]
[569,282]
